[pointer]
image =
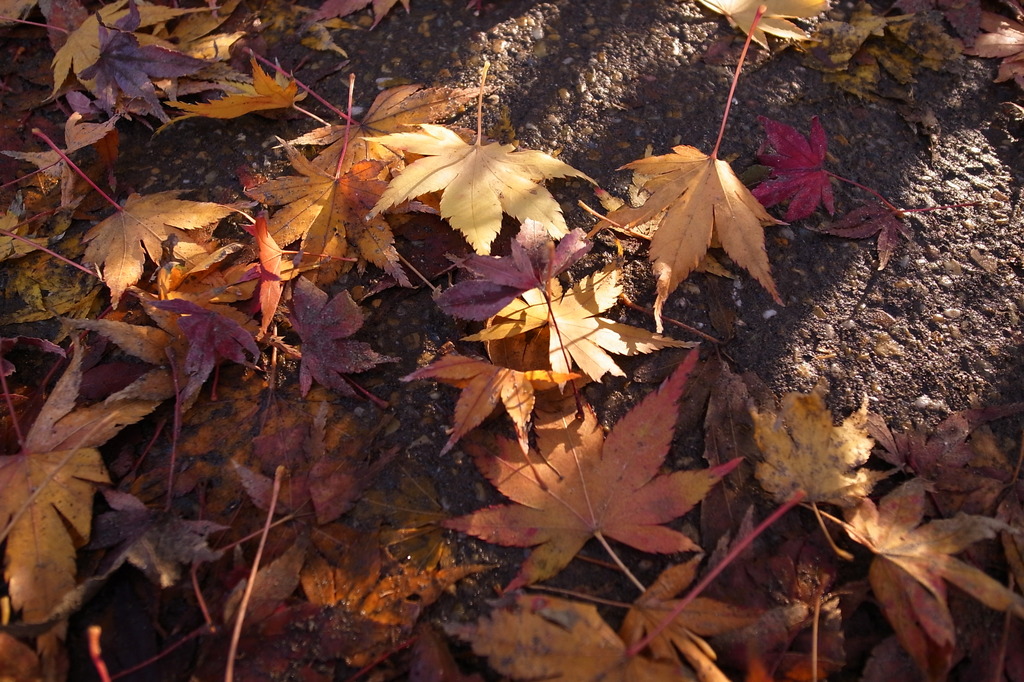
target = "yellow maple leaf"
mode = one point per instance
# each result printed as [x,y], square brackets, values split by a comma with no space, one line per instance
[120,243]
[265,93]
[479,181]
[740,14]
[804,451]
[578,331]
[46,506]
[697,202]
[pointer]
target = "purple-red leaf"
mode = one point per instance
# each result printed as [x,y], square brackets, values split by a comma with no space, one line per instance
[212,337]
[125,68]
[323,327]
[798,174]
[533,262]
[873,219]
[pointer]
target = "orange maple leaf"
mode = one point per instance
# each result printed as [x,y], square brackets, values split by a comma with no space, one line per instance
[912,564]
[265,94]
[588,486]
[483,384]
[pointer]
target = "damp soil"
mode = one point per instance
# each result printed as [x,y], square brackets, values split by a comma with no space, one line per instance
[603,82]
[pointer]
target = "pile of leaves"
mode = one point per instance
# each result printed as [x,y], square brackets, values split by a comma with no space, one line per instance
[197,441]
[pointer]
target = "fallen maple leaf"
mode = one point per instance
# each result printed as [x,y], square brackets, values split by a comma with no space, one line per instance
[530,637]
[323,325]
[81,49]
[803,451]
[702,617]
[122,241]
[123,67]
[855,53]
[46,506]
[531,265]
[697,201]
[265,93]
[911,563]
[740,14]
[1004,39]
[964,16]
[392,111]
[797,169]
[77,135]
[483,384]
[587,486]
[575,327]
[340,8]
[869,220]
[211,338]
[479,181]
[327,210]
[270,284]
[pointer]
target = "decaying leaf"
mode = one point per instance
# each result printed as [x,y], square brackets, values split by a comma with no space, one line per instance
[324,327]
[697,202]
[479,181]
[539,637]
[575,328]
[855,54]
[585,485]
[965,16]
[803,450]
[483,385]
[740,14]
[912,564]
[683,638]
[121,242]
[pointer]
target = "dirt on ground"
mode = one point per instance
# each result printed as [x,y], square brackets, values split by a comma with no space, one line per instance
[600,83]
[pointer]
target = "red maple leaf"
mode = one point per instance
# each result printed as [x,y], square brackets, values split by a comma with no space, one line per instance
[323,327]
[212,337]
[797,172]
[871,219]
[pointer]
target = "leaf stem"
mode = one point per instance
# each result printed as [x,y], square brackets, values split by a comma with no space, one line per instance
[892,207]
[348,127]
[734,552]
[618,562]
[44,249]
[49,27]
[480,105]
[841,553]
[10,407]
[236,634]
[40,134]
[735,79]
